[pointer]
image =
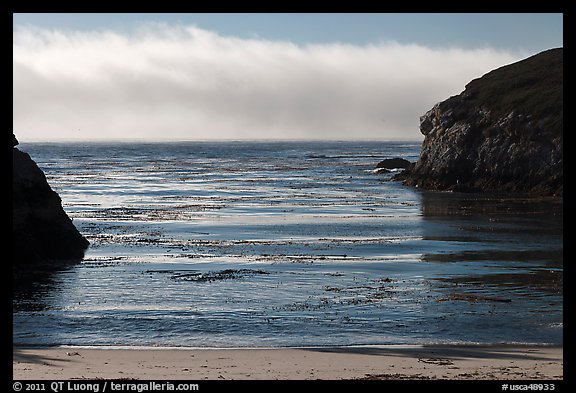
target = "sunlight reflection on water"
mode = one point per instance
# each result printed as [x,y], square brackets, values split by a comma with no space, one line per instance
[286,244]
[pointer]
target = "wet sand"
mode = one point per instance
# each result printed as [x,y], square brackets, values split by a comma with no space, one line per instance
[387,362]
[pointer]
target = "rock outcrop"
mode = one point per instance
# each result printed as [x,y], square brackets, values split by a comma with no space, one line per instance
[41,229]
[389,165]
[393,163]
[502,134]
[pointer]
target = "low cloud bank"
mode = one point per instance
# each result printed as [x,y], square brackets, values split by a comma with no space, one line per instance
[183,83]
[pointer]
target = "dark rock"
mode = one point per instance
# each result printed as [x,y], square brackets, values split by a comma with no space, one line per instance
[41,230]
[393,163]
[504,133]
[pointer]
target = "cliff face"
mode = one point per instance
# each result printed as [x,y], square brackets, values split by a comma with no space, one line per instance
[41,230]
[503,133]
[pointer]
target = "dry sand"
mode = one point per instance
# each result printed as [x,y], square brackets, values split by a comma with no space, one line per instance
[389,362]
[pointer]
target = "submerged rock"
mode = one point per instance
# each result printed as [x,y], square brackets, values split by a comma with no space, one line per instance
[503,133]
[41,229]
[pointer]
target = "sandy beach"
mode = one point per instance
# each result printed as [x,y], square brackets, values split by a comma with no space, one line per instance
[389,362]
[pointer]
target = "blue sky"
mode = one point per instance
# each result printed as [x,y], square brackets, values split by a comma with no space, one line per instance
[526,31]
[253,76]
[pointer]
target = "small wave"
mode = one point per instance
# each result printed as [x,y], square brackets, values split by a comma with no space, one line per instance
[383,171]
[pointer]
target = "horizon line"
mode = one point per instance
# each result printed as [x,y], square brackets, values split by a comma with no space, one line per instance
[251,140]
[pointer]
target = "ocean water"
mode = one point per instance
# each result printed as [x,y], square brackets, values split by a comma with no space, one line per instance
[275,244]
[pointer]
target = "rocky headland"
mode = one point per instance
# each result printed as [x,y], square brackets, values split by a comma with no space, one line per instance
[503,133]
[42,232]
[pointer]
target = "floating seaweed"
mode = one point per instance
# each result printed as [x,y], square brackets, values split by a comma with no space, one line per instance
[226,274]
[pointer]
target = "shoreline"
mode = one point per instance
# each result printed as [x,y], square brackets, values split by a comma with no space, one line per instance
[380,362]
